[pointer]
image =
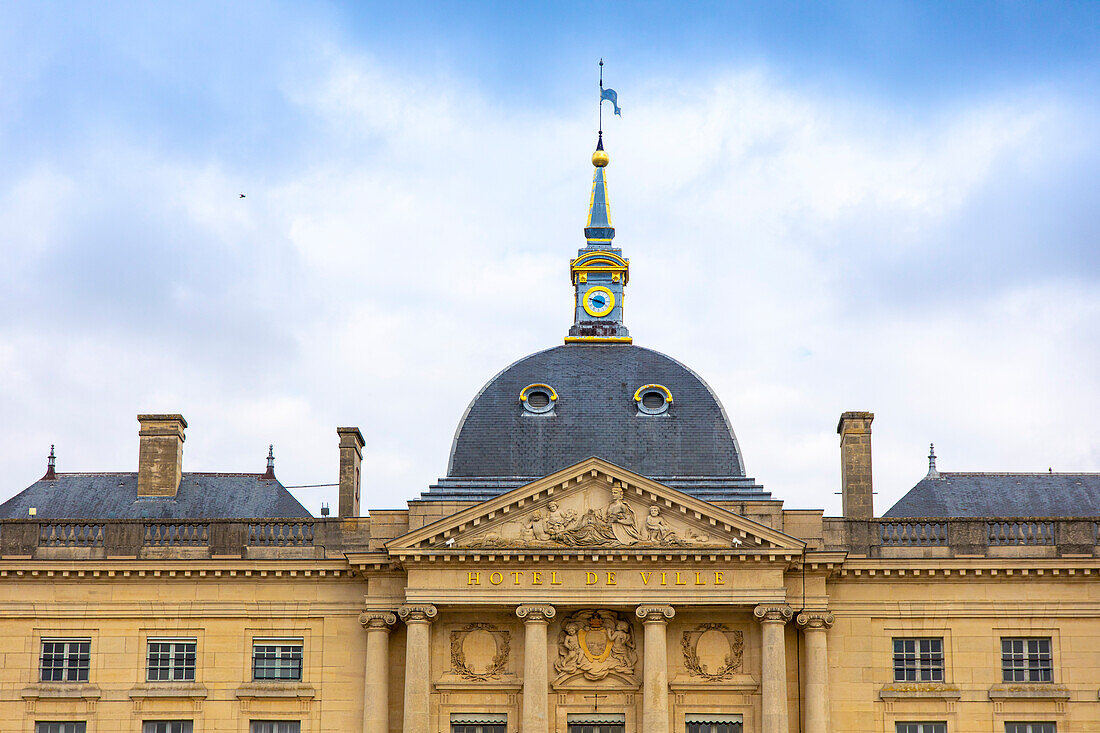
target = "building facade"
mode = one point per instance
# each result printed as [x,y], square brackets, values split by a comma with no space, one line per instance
[596,560]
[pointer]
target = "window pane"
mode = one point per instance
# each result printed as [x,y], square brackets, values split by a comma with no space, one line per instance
[276,661]
[1029,728]
[1027,660]
[60,727]
[66,660]
[918,660]
[167,726]
[172,661]
[920,727]
[275,726]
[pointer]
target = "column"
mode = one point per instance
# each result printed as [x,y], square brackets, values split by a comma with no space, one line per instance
[376,680]
[536,683]
[655,667]
[814,625]
[418,663]
[773,683]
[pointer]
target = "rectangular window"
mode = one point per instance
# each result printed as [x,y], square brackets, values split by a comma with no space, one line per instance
[66,660]
[275,726]
[918,660]
[1027,660]
[920,727]
[1029,728]
[699,723]
[167,726]
[277,659]
[171,660]
[58,727]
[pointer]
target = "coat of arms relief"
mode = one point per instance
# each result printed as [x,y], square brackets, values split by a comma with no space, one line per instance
[574,522]
[596,645]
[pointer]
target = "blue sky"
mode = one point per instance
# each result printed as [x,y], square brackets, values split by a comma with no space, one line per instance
[883,206]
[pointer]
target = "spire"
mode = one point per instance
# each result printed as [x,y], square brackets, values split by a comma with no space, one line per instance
[932,472]
[51,470]
[270,473]
[598,230]
[599,272]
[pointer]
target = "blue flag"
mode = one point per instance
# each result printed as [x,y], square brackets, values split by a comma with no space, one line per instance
[611,96]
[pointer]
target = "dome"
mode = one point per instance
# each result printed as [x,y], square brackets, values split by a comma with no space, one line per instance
[597,411]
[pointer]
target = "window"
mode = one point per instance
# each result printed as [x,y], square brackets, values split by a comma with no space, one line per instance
[713,723]
[918,660]
[1027,660]
[652,399]
[920,727]
[167,726]
[538,399]
[275,726]
[171,660]
[277,659]
[57,727]
[478,722]
[66,660]
[1029,727]
[596,722]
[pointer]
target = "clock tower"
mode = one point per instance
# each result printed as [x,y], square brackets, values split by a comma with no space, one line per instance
[599,272]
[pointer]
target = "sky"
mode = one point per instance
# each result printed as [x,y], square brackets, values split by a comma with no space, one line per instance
[887,206]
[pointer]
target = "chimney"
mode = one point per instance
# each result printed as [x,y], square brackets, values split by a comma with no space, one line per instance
[351,459]
[160,454]
[854,429]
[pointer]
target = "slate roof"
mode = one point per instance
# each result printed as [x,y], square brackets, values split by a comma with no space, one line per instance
[1001,495]
[498,445]
[114,496]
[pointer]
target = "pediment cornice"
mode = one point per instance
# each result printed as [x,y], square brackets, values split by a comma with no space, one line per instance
[594,508]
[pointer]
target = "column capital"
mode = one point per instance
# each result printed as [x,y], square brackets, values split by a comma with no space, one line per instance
[536,612]
[814,620]
[653,614]
[417,613]
[372,619]
[773,613]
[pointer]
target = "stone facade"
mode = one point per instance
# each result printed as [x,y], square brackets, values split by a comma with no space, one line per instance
[784,618]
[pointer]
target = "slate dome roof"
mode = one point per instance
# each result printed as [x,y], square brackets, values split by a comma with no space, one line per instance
[499,444]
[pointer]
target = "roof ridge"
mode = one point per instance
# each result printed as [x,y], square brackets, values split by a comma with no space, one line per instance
[1018,473]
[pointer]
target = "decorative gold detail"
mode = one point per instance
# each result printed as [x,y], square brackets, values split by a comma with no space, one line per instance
[600,159]
[377,619]
[496,666]
[771,613]
[689,644]
[417,613]
[596,644]
[523,392]
[536,612]
[659,387]
[655,613]
[815,620]
[599,339]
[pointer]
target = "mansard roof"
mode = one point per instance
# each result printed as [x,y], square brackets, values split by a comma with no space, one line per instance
[951,494]
[114,496]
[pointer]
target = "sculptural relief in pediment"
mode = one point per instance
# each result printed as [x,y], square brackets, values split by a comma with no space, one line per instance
[596,518]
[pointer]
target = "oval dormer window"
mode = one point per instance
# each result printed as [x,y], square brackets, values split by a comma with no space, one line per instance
[653,399]
[538,399]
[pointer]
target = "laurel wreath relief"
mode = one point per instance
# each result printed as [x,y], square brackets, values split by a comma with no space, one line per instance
[500,659]
[690,641]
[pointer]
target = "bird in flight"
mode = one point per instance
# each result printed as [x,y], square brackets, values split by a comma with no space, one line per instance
[242,195]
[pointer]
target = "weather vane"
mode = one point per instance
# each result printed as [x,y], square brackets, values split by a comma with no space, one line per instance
[610,95]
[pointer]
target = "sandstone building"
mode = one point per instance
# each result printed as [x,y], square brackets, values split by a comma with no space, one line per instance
[596,560]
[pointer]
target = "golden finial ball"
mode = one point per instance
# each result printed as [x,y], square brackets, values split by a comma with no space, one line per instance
[600,159]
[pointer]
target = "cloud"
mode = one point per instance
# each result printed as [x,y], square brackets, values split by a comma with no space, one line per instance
[805,253]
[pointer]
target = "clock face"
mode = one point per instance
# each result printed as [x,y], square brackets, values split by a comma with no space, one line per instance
[598,301]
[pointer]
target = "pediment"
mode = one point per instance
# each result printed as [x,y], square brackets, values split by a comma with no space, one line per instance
[595,506]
